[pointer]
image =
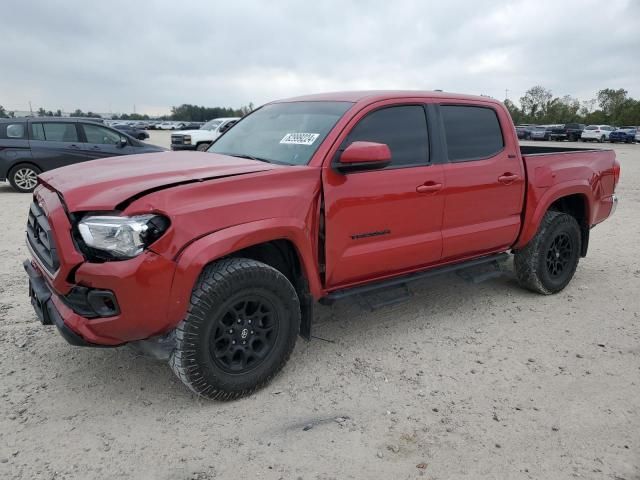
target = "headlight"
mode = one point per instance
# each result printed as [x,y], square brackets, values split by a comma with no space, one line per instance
[122,237]
[186,139]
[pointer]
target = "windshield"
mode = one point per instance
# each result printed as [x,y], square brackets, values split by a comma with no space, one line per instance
[287,133]
[211,125]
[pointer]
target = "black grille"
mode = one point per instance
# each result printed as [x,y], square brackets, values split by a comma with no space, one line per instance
[40,238]
[176,139]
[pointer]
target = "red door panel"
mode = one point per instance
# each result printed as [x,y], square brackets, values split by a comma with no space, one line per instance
[380,223]
[484,197]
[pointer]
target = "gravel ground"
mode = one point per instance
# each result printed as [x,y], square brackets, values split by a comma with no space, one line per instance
[461,381]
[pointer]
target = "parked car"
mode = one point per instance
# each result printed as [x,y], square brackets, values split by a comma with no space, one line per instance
[524,131]
[166,126]
[191,125]
[568,131]
[596,133]
[201,138]
[213,260]
[29,146]
[638,135]
[623,134]
[132,131]
[541,132]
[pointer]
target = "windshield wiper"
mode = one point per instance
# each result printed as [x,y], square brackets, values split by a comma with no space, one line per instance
[249,157]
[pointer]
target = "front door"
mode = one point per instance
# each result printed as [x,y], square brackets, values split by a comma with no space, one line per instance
[386,221]
[104,142]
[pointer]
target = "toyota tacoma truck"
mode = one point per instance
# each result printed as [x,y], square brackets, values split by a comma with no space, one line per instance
[214,260]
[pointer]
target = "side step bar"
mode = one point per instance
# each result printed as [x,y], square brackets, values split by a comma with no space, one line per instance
[411,277]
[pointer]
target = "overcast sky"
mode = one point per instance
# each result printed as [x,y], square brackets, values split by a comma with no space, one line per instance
[110,56]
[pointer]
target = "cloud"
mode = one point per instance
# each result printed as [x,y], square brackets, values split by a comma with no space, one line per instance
[110,56]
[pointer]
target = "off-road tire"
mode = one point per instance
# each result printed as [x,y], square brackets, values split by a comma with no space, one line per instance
[203,147]
[19,181]
[531,262]
[219,285]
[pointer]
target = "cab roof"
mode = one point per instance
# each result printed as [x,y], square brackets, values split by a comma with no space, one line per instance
[370,96]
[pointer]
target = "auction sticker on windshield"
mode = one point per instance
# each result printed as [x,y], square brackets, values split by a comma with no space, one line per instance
[300,138]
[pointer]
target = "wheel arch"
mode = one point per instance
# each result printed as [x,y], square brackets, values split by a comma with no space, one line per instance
[283,245]
[575,200]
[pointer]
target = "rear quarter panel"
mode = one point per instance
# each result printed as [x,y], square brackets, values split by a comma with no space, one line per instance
[551,176]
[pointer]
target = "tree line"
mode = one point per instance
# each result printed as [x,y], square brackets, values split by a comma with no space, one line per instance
[184,112]
[609,107]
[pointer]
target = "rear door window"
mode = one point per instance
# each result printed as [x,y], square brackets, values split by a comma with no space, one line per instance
[54,132]
[472,133]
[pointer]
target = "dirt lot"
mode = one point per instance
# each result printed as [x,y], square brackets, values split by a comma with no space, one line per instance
[462,381]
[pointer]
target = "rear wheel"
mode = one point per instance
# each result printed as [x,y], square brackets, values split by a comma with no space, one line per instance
[548,262]
[24,177]
[239,331]
[202,147]
[602,139]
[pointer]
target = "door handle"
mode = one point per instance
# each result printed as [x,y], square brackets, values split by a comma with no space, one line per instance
[74,146]
[429,187]
[508,178]
[95,147]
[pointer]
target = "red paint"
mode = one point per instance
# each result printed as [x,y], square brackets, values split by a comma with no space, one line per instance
[378,223]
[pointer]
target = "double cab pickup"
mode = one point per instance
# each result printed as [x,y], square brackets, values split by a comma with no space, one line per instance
[214,260]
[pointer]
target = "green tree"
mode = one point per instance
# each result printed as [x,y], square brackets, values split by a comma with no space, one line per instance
[611,101]
[535,102]
[516,114]
[3,112]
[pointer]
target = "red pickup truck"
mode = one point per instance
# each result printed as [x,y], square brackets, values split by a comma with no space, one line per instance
[213,260]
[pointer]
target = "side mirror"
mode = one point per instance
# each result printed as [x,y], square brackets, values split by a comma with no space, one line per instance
[123,142]
[364,156]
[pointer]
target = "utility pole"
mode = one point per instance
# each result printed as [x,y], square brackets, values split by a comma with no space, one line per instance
[506,94]
[30,108]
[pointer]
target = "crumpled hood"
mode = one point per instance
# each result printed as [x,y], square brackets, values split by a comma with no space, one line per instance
[105,183]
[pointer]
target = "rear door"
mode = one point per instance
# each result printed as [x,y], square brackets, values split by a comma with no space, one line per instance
[55,144]
[101,141]
[485,181]
[385,221]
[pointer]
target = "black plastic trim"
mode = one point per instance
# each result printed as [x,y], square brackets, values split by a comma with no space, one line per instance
[410,277]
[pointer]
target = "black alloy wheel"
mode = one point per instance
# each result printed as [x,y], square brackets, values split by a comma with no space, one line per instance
[244,334]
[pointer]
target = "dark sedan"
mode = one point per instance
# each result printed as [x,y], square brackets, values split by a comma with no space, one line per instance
[132,131]
[29,146]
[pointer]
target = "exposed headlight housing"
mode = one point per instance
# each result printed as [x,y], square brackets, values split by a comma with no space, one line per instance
[121,237]
[186,139]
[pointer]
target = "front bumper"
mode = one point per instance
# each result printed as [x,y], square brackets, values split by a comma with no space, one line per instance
[177,147]
[141,286]
[41,300]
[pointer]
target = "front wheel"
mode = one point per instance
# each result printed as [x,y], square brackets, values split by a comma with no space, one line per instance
[548,262]
[240,329]
[24,177]
[202,147]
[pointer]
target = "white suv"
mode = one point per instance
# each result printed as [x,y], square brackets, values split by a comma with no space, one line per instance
[202,138]
[598,133]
